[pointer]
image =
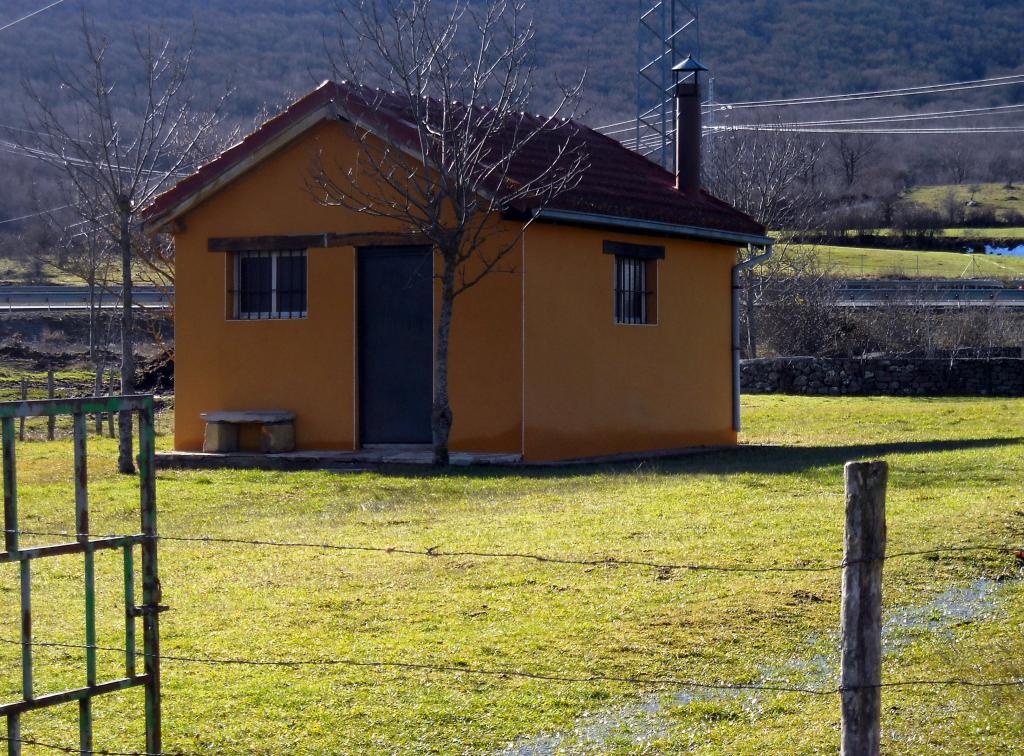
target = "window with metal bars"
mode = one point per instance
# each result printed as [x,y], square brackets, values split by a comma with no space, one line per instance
[636,281]
[635,290]
[270,285]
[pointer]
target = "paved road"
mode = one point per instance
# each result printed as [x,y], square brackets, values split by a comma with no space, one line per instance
[60,298]
[931,292]
[852,293]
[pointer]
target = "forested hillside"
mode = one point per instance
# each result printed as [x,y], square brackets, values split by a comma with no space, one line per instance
[757,48]
[270,51]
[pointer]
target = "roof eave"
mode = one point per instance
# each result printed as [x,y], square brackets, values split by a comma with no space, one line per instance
[621,223]
[330,110]
[279,141]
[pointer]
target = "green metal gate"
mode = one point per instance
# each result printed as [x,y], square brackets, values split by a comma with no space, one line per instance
[86,545]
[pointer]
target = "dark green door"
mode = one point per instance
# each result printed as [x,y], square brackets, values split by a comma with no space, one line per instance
[395,333]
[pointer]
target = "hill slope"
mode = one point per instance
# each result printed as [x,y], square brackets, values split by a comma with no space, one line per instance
[756,48]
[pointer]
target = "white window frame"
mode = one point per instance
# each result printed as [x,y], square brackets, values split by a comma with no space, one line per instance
[273,313]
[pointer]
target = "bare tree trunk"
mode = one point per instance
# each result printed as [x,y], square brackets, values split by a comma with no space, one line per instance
[125,463]
[470,132]
[93,320]
[751,317]
[94,349]
[98,391]
[441,412]
[111,391]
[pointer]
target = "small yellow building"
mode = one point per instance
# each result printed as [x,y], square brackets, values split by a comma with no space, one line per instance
[611,333]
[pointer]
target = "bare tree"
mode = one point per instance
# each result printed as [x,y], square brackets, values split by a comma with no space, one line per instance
[955,158]
[156,255]
[800,313]
[953,207]
[766,172]
[1008,167]
[92,258]
[852,151]
[462,76]
[118,144]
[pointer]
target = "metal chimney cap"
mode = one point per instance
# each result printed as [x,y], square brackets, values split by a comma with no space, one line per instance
[689,65]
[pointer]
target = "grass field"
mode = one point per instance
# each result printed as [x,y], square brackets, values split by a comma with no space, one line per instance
[996,232]
[865,262]
[17,272]
[995,196]
[957,467]
[992,232]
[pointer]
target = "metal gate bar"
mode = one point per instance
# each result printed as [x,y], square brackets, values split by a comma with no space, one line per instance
[83,544]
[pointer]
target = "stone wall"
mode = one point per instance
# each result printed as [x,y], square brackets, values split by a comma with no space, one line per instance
[883,376]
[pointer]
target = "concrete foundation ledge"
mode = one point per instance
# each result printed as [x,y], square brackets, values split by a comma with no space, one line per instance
[319,460]
[366,459]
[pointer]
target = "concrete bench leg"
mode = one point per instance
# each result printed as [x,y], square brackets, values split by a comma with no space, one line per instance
[220,437]
[277,437]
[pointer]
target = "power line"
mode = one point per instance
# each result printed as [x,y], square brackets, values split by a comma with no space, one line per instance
[33,215]
[900,118]
[927,116]
[956,86]
[651,140]
[30,15]
[19,128]
[891,130]
[45,155]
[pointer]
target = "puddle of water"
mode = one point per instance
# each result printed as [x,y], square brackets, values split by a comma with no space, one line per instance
[950,608]
[649,718]
[1017,251]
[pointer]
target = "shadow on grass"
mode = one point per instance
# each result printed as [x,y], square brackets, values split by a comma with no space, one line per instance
[741,459]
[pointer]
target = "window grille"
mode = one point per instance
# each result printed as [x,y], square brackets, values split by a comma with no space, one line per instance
[636,281]
[270,285]
[634,290]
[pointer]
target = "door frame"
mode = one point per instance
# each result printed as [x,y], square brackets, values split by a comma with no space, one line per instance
[357,435]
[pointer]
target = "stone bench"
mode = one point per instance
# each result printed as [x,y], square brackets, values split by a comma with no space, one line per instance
[277,430]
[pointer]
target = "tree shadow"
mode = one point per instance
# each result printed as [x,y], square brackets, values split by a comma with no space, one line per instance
[760,459]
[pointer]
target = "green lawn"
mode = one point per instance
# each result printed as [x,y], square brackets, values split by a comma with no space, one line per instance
[864,262]
[957,466]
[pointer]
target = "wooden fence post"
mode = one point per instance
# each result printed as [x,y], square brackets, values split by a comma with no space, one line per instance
[864,547]
[21,420]
[50,392]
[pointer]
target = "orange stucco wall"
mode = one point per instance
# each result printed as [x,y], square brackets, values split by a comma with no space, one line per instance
[308,366]
[537,366]
[597,388]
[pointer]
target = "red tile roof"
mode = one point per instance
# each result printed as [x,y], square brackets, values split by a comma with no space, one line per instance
[617,182]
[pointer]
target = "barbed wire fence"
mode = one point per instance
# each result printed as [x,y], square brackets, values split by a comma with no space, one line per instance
[595,561]
[861,684]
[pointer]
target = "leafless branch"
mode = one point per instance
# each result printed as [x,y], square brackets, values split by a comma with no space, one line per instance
[117,145]
[459,74]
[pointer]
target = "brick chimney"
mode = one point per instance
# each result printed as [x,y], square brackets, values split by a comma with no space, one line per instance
[688,125]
